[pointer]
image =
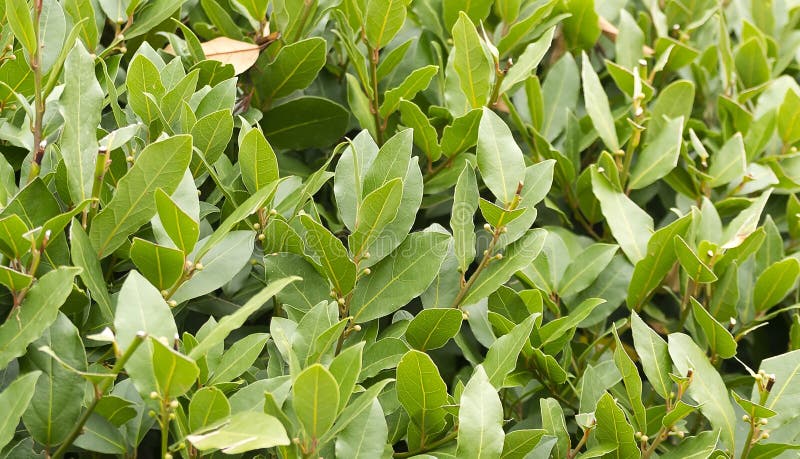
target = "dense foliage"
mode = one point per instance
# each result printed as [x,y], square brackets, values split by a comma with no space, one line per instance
[376,228]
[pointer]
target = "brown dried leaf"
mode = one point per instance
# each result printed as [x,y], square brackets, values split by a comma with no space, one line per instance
[240,54]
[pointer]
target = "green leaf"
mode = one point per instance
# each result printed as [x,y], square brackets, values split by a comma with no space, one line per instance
[560,90]
[718,337]
[376,211]
[399,278]
[729,163]
[211,134]
[597,103]
[240,433]
[305,122]
[79,10]
[630,41]
[751,63]
[433,328]
[614,428]
[678,412]
[480,419]
[365,437]
[516,256]
[295,67]
[233,321]
[425,136]
[706,387]
[692,264]
[633,382]
[673,102]
[471,63]
[175,373]
[142,309]
[651,270]
[519,443]
[554,334]
[555,426]
[81,107]
[462,133]
[84,256]
[208,406]
[333,258]
[382,20]
[220,265]
[630,225]
[356,409]
[497,216]
[525,65]
[13,242]
[116,410]
[160,165]
[36,313]
[345,368]
[659,156]
[462,217]
[14,280]
[416,81]
[258,161]
[584,268]
[422,392]
[697,447]
[162,266]
[501,358]
[238,358]
[15,399]
[101,436]
[20,19]
[57,400]
[653,354]
[788,113]
[143,79]
[315,399]
[746,223]
[150,15]
[582,28]
[181,228]
[782,398]
[754,410]
[500,160]
[775,283]
[250,206]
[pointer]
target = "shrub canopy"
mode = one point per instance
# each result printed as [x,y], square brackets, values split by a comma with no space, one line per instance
[395,228]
